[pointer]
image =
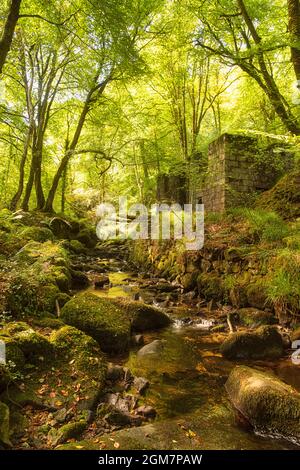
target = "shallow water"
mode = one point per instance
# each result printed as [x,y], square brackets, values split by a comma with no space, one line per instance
[188,376]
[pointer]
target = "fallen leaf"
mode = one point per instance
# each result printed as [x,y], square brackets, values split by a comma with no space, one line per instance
[190,434]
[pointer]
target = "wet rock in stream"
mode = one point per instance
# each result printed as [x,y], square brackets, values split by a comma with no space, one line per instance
[156,347]
[265,342]
[121,408]
[269,404]
[100,281]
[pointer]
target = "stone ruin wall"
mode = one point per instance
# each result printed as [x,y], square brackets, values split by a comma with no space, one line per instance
[233,173]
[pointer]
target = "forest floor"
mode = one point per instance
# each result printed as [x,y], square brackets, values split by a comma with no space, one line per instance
[104,352]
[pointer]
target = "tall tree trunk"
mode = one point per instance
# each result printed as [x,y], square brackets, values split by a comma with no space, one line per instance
[270,87]
[48,207]
[294,29]
[9,29]
[16,198]
[30,181]
[29,185]
[63,189]
[65,174]
[40,198]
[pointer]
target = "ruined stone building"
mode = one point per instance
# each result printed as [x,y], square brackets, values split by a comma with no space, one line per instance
[238,167]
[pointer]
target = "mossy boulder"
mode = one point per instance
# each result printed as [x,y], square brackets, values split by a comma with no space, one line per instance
[28,296]
[75,380]
[37,234]
[72,343]
[211,286]
[79,279]
[88,237]
[4,425]
[257,296]
[62,228]
[24,344]
[78,445]
[48,322]
[100,318]
[270,405]
[284,197]
[14,355]
[189,281]
[14,327]
[47,252]
[34,346]
[254,317]
[142,317]
[75,246]
[265,342]
[18,423]
[66,432]
[42,272]
[80,357]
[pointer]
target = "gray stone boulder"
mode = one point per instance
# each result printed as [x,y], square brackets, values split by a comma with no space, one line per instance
[156,347]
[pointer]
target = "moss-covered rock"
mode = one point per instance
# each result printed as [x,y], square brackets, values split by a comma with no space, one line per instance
[37,234]
[29,296]
[87,236]
[4,425]
[284,198]
[62,228]
[48,322]
[34,346]
[142,317]
[78,445]
[79,355]
[14,327]
[270,405]
[62,298]
[14,355]
[257,295]
[66,432]
[42,272]
[254,317]
[71,342]
[211,286]
[24,344]
[100,318]
[18,423]
[265,342]
[75,246]
[79,279]
[189,281]
[48,252]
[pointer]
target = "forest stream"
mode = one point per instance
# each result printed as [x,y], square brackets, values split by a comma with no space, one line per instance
[187,374]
